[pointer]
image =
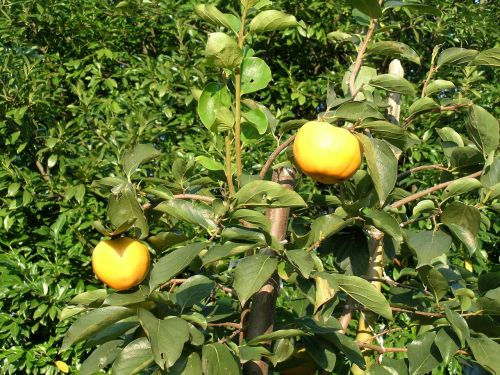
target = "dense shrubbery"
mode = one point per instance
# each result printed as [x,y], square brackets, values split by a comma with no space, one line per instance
[82,82]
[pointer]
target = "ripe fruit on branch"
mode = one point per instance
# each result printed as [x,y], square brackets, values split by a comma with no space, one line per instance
[326,153]
[121,263]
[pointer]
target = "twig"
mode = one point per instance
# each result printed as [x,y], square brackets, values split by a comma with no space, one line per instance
[227,324]
[430,190]
[314,245]
[195,197]
[229,175]
[432,69]
[422,168]
[430,314]
[410,119]
[395,283]
[274,155]
[45,174]
[359,58]
[381,349]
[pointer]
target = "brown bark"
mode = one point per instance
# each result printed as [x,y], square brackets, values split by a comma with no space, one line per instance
[262,310]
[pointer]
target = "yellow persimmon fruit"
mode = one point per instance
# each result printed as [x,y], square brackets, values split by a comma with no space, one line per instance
[121,263]
[326,153]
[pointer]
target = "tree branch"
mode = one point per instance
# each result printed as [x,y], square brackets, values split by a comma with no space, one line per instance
[430,190]
[274,155]
[422,168]
[359,58]
[410,119]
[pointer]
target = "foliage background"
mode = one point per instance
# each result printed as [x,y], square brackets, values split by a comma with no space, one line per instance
[82,81]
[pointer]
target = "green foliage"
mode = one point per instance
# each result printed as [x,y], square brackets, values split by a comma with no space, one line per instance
[115,118]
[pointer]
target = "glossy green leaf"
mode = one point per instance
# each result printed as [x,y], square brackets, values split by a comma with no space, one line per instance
[456,56]
[385,222]
[189,212]
[422,105]
[258,119]
[174,262]
[459,326]
[394,49]
[193,290]
[101,357]
[275,335]
[490,57]
[167,337]
[364,293]
[251,274]
[418,8]
[267,194]
[321,352]
[124,206]
[369,7]
[272,20]
[186,365]
[394,134]
[356,111]
[93,322]
[484,130]
[438,85]
[218,360]
[447,343]
[461,186]
[382,165]
[225,250]
[139,154]
[255,75]
[136,356]
[164,240]
[213,15]
[252,217]
[223,51]
[423,354]
[324,227]
[428,245]
[214,97]
[486,352]
[302,260]
[463,221]
[377,369]
[393,83]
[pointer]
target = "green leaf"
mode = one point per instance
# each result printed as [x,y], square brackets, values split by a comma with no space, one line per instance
[214,97]
[189,212]
[364,293]
[428,245]
[272,20]
[393,134]
[225,250]
[139,154]
[486,352]
[324,227]
[302,260]
[124,206]
[490,57]
[339,36]
[438,85]
[193,290]
[447,343]
[93,322]
[251,274]
[369,7]
[125,298]
[90,297]
[255,75]
[448,134]
[385,222]
[393,83]
[423,354]
[456,56]
[459,326]
[101,357]
[382,165]
[167,337]
[223,51]
[241,234]
[267,194]
[348,347]
[357,111]
[164,240]
[326,288]
[252,217]
[422,105]
[218,360]
[186,365]
[258,119]
[419,8]
[376,369]
[394,49]
[136,356]
[174,262]
[461,186]
[463,221]
[484,130]
[435,280]
[322,353]
[275,335]
[213,15]
[210,163]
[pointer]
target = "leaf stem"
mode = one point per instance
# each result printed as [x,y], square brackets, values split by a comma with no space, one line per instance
[274,155]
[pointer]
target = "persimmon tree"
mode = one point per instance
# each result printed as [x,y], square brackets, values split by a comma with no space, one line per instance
[258,270]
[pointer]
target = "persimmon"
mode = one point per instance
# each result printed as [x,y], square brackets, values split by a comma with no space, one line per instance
[121,263]
[326,153]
